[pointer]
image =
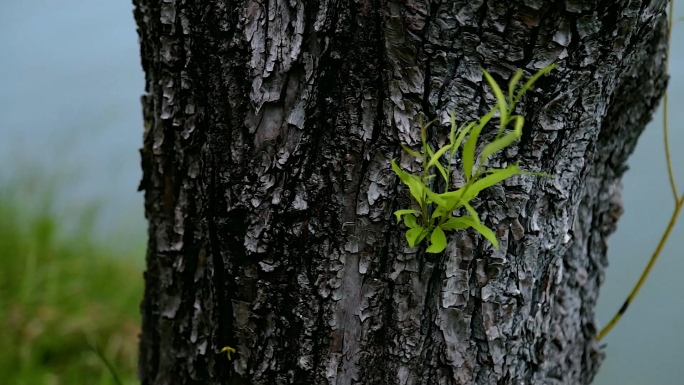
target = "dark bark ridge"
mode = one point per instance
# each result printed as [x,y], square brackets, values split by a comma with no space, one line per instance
[269,128]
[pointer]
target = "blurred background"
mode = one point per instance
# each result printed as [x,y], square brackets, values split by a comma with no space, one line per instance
[72,231]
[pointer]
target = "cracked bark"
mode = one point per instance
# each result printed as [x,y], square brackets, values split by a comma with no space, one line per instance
[269,128]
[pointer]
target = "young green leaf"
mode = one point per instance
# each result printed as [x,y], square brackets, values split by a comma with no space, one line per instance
[426,146]
[434,158]
[412,235]
[430,151]
[455,224]
[473,213]
[487,233]
[495,176]
[452,199]
[410,221]
[513,83]
[502,142]
[422,236]
[462,132]
[482,229]
[530,82]
[434,161]
[452,133]
[399,213]
[535,173]
[414,154]
[437,240]
[439,212]
[519,122]
[434,197]
[416,187]
[500,98]
[443,172]
[468,156]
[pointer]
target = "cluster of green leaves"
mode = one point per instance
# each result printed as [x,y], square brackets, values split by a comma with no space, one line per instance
[435,213]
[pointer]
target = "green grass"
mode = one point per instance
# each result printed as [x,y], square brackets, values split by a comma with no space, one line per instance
[61,295]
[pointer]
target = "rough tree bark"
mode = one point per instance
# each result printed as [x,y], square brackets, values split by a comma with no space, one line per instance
[269,129]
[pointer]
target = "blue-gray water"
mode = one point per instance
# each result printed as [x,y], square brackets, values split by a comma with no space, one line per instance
[70,85]
[70,82]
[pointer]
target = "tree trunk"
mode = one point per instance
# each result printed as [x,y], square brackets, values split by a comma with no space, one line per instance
[269,130]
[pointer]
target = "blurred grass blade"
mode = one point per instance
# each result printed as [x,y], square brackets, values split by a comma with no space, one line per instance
[98,352]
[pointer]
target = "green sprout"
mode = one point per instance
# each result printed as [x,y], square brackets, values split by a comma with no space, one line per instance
[228,350]
[435,216]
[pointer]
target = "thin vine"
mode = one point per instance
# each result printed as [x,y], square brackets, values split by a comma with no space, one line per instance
[679,200]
